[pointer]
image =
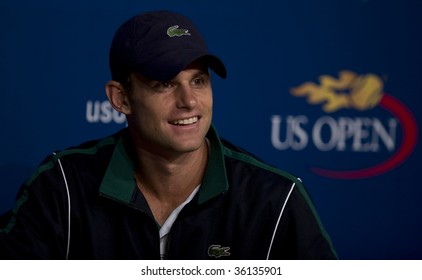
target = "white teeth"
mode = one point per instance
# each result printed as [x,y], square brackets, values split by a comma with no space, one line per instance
[186,121]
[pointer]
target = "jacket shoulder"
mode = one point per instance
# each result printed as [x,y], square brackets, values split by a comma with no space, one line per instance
[239,154]
[77,154]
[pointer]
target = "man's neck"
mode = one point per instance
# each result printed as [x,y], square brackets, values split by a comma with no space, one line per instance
[167,183]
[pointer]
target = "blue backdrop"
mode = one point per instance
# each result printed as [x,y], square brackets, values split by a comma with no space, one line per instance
[326,89]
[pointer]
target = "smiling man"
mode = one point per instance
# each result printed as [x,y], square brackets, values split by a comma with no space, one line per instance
[167,122]
[166,186]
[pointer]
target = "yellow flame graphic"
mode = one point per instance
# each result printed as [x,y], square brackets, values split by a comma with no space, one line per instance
[361,92]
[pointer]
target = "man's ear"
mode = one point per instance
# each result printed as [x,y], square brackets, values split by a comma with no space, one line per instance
[118,97]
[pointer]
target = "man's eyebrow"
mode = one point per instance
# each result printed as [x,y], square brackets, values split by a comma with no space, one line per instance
[201,72]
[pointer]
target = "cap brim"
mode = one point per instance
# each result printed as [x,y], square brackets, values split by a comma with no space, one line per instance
[167,66]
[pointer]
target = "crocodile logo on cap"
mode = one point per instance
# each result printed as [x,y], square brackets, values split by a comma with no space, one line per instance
[175,31]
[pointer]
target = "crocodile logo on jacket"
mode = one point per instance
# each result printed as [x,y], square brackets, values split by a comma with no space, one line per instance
[217,251]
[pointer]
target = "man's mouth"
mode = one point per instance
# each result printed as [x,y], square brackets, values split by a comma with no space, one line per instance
[185,121]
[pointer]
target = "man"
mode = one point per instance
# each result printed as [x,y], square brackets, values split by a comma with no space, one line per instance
[166,186]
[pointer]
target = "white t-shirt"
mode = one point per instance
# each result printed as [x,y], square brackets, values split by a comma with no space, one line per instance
[165,228]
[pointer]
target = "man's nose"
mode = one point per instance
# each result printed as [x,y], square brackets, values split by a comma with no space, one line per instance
[186,97]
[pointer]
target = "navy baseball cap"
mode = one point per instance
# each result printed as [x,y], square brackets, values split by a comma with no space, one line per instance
[158,45]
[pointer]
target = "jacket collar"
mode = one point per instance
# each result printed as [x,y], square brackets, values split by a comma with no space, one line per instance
[119,182]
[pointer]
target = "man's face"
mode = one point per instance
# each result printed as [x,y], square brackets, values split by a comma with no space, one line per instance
[171,118]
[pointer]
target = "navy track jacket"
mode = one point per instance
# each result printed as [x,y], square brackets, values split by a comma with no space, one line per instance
[83,203]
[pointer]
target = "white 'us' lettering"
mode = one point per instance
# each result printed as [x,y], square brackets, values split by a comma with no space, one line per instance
[102,112]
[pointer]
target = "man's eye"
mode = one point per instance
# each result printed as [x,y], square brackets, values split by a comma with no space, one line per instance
[161,86]
[201,81]
[164,84]
[198,81]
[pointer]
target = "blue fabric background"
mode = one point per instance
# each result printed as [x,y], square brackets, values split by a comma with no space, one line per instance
[54,65]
